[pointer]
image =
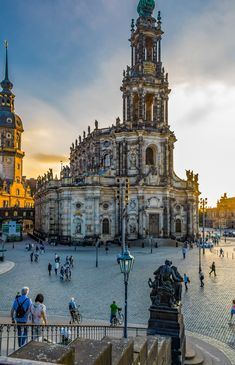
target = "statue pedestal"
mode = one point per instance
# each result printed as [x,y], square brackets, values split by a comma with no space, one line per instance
[167,321]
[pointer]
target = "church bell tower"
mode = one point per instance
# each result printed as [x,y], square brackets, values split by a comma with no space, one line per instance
[145,83]
[11,128]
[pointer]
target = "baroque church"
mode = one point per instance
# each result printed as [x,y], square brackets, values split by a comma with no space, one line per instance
[125,171]
[15,190]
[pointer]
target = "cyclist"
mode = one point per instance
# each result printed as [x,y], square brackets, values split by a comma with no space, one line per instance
[73,308]
[114,309]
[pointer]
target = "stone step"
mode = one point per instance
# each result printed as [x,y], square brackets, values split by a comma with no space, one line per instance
[194,356]
[196,360]
[190,351]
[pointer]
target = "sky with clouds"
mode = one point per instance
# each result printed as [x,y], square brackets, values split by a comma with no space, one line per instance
[66,59]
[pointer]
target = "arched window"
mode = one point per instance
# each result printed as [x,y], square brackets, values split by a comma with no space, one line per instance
[105,226]
[178,226]
[149,156]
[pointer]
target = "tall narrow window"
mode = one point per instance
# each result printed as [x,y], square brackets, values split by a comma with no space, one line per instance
[178,226]
[105,228]
[149,107]
[107,161]
[149,156]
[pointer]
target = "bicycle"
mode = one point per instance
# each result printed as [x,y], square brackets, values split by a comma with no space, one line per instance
[76,317]
[119,319]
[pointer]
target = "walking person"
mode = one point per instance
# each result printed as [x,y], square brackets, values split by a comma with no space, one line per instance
[221,252]
[71,261]
[36,257]
[31,256]
[232,311]
[186,281]
[49,268]
[106,248]
[39,318]
[19,313]
[201,277]
[56,267]
[184,250]
[212,269]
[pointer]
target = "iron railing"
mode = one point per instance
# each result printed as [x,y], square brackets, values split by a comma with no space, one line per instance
[10,340]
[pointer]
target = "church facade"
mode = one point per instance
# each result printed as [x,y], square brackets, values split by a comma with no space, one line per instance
[125,171]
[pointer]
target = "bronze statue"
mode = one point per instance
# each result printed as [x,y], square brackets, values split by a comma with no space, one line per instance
[166,287]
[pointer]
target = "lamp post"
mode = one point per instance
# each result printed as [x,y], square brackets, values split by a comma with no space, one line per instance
[126,263]
[97,245]
[203,206]
[96,253]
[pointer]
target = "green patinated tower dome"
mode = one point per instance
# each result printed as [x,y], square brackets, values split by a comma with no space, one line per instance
[146,7]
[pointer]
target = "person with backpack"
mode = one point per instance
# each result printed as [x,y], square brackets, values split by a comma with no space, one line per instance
[19,313]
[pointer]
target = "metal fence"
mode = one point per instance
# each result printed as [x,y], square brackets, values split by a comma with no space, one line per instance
[13,336]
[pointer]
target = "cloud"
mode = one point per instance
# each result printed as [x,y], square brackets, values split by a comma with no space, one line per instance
[44,158]
[203,50]
[205,141]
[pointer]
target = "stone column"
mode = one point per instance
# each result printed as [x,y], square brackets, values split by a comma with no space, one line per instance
[97,214]
[131,96]
[166,109]
[141,105]
[166,218]
[140,213]
[155,108]
[124,107]
[155,51]
[158,108]
[140,154]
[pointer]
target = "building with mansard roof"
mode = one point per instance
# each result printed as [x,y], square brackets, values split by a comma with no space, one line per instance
[89,197]
[16,196]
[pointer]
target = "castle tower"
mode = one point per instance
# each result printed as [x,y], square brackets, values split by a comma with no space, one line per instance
[145,84]
[11,128]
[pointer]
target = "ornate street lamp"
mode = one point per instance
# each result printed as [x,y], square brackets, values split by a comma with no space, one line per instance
[126,263]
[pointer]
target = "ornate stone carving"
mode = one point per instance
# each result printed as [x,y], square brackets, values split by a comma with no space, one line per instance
[166,287]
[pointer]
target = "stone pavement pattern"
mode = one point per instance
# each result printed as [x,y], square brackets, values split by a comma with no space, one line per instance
[206,310]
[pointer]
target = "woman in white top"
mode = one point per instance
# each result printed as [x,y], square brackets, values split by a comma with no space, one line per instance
[38,312]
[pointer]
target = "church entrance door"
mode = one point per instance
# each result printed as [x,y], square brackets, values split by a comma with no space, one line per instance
[154,225]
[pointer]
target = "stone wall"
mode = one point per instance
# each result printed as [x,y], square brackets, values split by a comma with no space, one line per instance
[151,350]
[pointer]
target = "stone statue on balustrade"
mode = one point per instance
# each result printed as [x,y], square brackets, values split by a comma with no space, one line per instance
[166,287]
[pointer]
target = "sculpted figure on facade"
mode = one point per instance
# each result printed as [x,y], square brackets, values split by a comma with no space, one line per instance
[78,229]
[132,158]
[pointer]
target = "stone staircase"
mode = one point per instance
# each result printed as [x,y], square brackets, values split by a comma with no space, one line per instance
[194,356]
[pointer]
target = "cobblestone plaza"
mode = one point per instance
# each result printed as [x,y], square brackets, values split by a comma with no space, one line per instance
[206,310]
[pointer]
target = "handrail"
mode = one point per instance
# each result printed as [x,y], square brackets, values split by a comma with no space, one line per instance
[13,336]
